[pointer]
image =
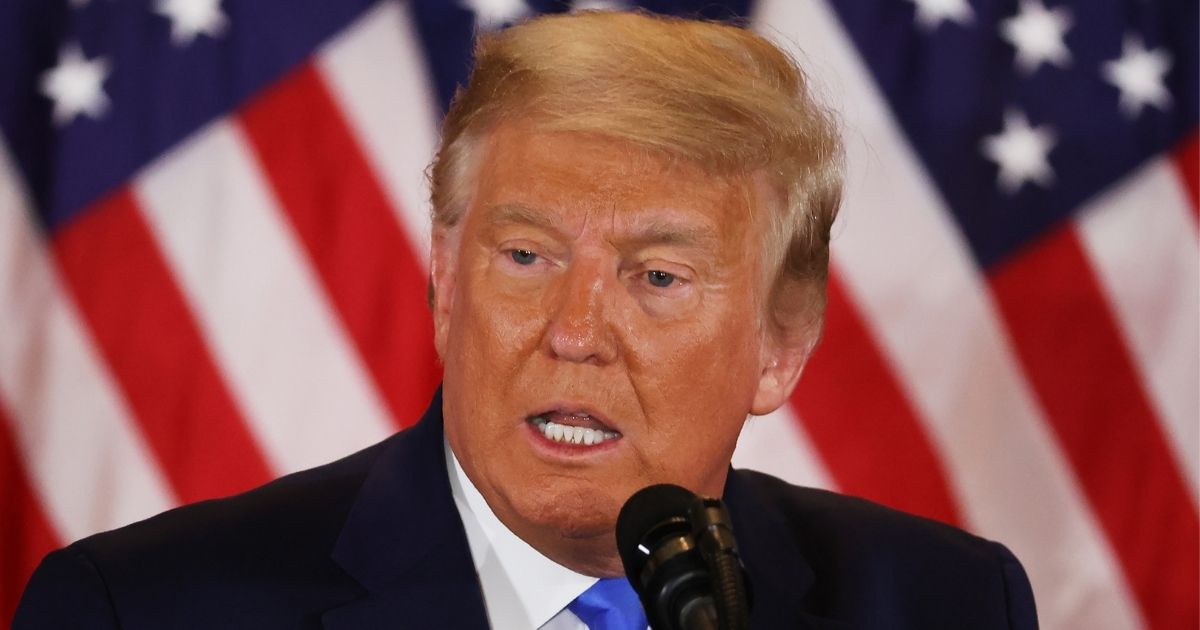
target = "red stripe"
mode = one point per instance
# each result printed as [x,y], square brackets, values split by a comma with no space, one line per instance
[25,533]
[146,333]
[351,234]
[1070,345]
[862,424]
[1187,160]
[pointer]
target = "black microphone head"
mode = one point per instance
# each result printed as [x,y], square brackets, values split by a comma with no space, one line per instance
[648,508]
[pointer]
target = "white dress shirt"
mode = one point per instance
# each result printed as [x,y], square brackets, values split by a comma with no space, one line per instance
[522,589]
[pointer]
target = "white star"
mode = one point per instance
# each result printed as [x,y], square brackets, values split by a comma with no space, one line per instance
[76,85]
[1139,74]
[931,13]
[1021,152]
[190,18]
[492,14]
[1037,33]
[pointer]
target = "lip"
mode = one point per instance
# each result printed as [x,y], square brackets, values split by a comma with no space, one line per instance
[570,408]
[562,452]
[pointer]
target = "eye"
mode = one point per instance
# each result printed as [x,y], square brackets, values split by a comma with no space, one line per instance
[660,279]
[523,256]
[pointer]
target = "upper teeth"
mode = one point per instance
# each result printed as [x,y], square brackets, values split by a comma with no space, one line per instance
[572,435]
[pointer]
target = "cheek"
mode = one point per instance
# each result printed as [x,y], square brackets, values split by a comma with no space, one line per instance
[698,380]
[508,334]
[713,345]
[497,318]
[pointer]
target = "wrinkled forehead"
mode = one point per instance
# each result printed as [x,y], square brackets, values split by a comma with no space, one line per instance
[521,165]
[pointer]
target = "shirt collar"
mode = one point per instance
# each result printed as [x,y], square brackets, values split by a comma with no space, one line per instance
[521,587]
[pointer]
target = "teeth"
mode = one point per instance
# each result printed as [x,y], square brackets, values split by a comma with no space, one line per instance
[572,435]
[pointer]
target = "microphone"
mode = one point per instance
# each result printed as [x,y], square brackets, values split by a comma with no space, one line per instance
[680,555]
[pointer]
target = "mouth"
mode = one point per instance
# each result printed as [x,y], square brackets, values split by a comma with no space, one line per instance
[573,427]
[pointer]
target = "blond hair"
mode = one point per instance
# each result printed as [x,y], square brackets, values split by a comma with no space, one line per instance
[712,93]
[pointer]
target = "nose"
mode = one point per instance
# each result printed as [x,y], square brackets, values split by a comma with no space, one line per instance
[579,330]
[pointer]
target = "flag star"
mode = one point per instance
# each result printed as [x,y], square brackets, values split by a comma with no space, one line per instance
[1037,34]
[1139,74]
[1021,152]
[190,18]
[931,13]
[76,85]
[492,14]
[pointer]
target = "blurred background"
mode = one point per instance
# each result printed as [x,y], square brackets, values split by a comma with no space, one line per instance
[213,246]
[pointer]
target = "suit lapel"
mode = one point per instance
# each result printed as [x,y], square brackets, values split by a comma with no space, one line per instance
[404,543]
[780,577]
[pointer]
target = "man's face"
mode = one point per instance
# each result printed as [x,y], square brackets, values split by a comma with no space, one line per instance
[591,285]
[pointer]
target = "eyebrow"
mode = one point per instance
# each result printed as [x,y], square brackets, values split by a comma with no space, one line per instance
[658,232]
[645,233]
[517,214]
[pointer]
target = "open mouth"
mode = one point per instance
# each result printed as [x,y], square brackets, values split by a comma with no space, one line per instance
[576,428]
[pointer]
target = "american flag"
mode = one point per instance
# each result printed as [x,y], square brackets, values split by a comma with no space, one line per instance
[213,243]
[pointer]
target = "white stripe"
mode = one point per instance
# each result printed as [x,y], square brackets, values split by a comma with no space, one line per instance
[908,269]
[88,465]
[1141,240]
[390,108]
[778,445]
[287,361]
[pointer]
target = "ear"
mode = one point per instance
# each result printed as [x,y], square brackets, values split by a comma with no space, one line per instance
[443,269]
[783,362]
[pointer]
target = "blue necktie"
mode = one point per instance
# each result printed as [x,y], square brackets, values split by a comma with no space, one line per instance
[610,604]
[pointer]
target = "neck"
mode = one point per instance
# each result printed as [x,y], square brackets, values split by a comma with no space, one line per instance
[595,556]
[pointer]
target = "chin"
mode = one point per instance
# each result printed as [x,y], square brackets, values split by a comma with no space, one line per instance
[572,525]
[574,513]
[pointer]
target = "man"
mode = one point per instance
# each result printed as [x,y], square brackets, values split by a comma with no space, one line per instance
[630,242]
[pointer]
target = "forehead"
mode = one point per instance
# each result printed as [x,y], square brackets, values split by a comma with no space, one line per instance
[578,176]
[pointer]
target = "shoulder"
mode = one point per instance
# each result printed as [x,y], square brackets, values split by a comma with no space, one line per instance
[223,550]
[904,565]
[288,514]
[827,522]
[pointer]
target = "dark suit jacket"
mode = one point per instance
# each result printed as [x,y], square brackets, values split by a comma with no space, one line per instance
[374,541]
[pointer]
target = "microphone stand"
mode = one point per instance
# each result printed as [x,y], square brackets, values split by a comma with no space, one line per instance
[680,555]
[700,614]
[713,532]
